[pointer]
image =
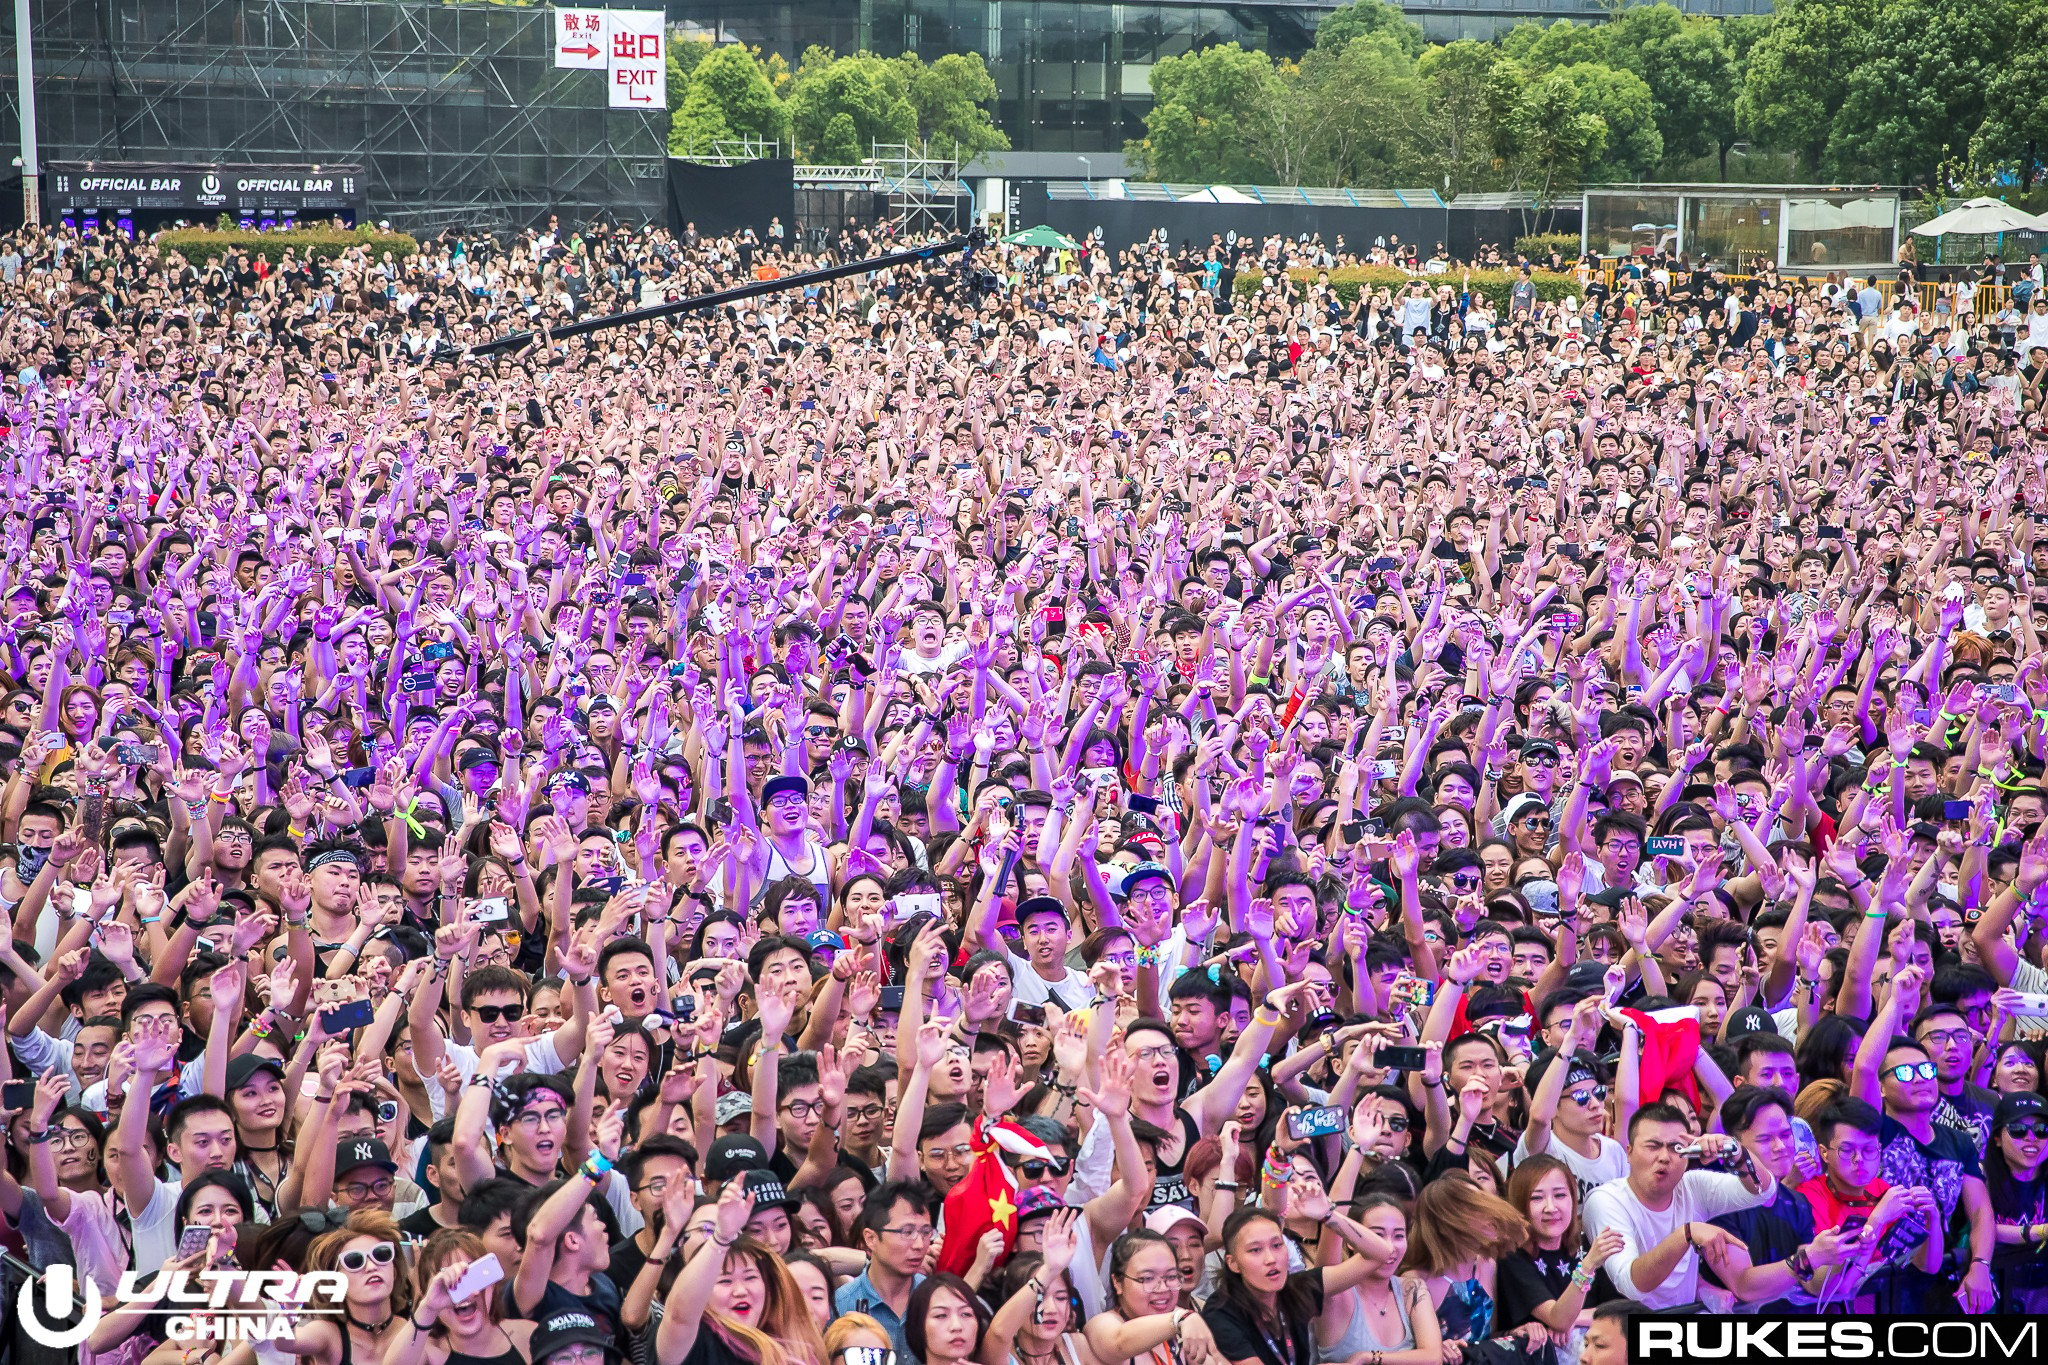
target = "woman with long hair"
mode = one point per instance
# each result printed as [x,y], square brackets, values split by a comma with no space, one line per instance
[945,1322]
[1393,1321]
[445,1330]
[1459,1234]
[367,1250]
[1554,1278]
[1147,1318]
[1038,1321]
[2013,1178]
[217,1201]
[734,1300]
[1262,1313]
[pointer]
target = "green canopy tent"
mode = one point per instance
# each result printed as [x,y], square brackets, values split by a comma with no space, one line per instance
[1042,236]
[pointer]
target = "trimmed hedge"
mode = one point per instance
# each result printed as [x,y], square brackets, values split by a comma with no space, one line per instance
[1538,245]
[207,244]
[1496,285]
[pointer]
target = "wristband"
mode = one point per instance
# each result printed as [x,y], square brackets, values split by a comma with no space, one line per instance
[422,1327]
[596,1166]
[38,1136]
[1230,1185]
[222,797]
[1582,1278]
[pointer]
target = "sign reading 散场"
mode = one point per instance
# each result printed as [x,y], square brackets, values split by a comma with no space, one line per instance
[580,39]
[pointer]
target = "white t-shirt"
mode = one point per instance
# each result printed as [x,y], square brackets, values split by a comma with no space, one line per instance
[1030,988]
[541,1057]
[1700,1195]
[1608,1162]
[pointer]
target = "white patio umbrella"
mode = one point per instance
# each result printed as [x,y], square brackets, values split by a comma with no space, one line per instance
[1979,217]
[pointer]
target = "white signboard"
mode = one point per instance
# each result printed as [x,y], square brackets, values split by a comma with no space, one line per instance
[638,66]
[580,39]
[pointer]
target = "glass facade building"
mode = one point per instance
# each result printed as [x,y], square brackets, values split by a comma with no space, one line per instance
[1075,75]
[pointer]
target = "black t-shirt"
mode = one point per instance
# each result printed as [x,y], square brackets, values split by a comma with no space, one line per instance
[627,1260]
[1241,1337]
[1772,1232]
[419,1224]
[1940,1165]
[710,1349]
[1525,1281]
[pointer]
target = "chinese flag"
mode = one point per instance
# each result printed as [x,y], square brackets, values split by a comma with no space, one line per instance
[986,1196]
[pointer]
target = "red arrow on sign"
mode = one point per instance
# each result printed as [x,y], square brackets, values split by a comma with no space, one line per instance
[640,99]
[587,50]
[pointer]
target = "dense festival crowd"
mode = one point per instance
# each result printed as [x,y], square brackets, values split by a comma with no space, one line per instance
[1151,812]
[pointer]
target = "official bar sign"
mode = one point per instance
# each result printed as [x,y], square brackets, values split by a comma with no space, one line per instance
[204,191]
[629,46]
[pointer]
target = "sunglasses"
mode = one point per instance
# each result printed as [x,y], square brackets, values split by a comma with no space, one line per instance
[866,1355]
[1592,1094]
[491,1014]
[1909,1071]
[1032,1168]
[356,1262]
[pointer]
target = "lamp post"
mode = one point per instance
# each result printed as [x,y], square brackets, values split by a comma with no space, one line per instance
[25,79]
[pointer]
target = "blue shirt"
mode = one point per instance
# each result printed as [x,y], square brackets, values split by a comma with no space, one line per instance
[861,1296]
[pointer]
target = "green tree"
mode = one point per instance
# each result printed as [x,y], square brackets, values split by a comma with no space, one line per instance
[2015,128]
[1797,75]
[1691,75]
[1621,101]
[1457,128]
[1543,136]
[1366,18]
[869,91]
[683,56]
[1358,107]
[1208,107]
[729,96]
[949,96]
[1918,96]
[1543,47]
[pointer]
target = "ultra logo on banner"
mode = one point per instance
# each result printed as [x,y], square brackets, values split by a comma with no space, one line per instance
[206,1305]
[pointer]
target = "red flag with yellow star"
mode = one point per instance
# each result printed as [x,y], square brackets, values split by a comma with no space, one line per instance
[986,1196]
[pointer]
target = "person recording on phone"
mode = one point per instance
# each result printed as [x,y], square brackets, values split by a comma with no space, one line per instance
[1663,1205]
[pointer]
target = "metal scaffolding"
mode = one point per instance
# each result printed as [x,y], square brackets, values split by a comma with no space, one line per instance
[923,187]
[455,110]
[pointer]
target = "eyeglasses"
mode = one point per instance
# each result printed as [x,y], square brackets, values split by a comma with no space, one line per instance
[2028,1128]
[1592,1094]
[381,1189]
[582,1353]
[866,1113]
[803,1109]
[785,801]
[356,1262]
[1165,1279]
[1162,1052]
[1945,1036]
[1033,1168]
[918,1233]
[491,1014]
[961,1149]
[536,1118]
[1910,1071]
[71,1137]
